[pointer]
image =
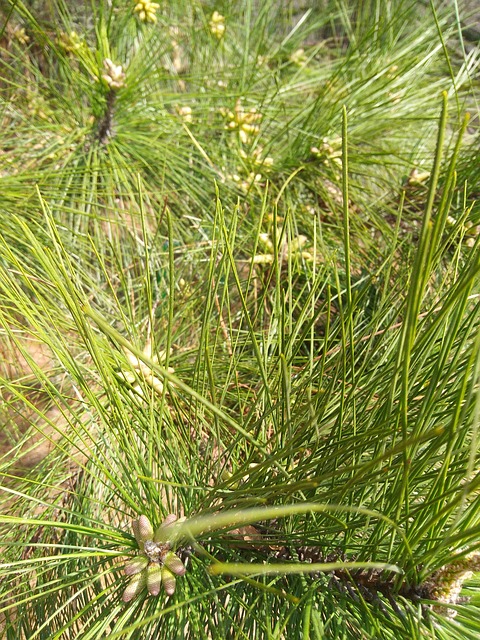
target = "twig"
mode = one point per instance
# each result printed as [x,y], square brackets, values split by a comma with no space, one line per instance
[105,126]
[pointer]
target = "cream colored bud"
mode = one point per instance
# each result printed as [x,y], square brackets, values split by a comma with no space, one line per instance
[217,25]
[186,113]
[20,35]
[298,242]
[114,76]
[298,57]
[266,258]
[265,239]
[133,360]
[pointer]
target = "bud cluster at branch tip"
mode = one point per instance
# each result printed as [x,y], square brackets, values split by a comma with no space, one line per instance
[157,565]
[114,75]
[217,25]
[146,10]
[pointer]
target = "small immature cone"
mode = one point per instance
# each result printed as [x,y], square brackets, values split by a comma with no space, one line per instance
[142,530]
[160,534]
[171,518]
[136,584]
[168,581]
[174,564]
[135,565]
[154,579]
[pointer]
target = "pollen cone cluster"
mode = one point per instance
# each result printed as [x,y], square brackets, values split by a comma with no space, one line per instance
[156,566]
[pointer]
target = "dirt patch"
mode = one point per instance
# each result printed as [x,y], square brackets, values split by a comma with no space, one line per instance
[31,421]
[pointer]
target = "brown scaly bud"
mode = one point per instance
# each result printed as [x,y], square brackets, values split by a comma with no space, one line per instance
[174,564]
[154,579]
[168,581]
[136,584]
[135,565]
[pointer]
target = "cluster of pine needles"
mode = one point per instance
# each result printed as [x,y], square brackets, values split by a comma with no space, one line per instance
[239,319]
